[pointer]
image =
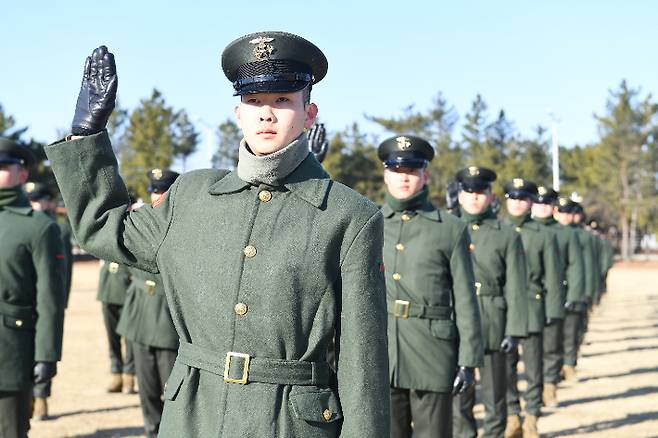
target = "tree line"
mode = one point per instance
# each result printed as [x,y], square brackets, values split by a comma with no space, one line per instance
[616,175]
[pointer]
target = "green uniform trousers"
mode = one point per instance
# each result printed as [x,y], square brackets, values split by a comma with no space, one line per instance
[570,334]
[533,349]
[15,413]
[153,366]
[553,351]
[493,387]
[582,327]
[118,363]
[430,412]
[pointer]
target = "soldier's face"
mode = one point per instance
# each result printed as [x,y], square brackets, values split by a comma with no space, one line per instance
[563,218]
[542,211]
[518,207]
[475,202]
[12,175]
[404,182]
[271,121]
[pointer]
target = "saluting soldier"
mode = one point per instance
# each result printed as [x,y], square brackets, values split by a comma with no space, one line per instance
[545,306]
[262,266]
[146,322]
[113,283]
[32,275]
[573,274]
[500,284]
[434,334]
[42,198]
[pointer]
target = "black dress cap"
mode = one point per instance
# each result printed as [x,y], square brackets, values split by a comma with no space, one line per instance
[14,153]
[520,188]
[546,195]
[405,151]
[475,179]
[161,180]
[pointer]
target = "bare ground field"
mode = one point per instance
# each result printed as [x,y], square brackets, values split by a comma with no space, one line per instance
[616,395]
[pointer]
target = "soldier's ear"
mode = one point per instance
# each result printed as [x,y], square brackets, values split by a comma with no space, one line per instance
[236,111]
[311,114]
[426,176]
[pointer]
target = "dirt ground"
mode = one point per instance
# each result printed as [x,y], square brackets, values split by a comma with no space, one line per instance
[616,395]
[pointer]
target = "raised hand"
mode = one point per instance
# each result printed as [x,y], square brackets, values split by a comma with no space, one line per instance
[317,138]
[98,93]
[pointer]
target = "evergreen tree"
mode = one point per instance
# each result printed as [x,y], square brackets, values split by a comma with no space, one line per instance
[226,156]
[186,137]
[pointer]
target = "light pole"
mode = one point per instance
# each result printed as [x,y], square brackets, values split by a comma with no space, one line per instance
[555,150]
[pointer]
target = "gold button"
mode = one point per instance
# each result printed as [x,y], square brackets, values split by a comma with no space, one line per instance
[265,195]
[327,414]
[475,227]
[19,323]
[405,217]
[564,282]
[250,251]
[518,229]
[471,247]
[399,247]
[397,277]
[113,268]
[240,309]
[538,296]
[478,286]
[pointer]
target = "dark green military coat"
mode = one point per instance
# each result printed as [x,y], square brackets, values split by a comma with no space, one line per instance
[607,257]
[67,236]
[428,265]
[544,270]
[571,254]
[145,317]
[271,272]
[589,260]
[113,283]
[500,278]
[32,296]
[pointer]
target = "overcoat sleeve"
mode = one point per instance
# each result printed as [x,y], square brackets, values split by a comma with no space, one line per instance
[575,271]
[471,347]
[362,354]
[97,200]
[553,276]
[50,266]
[516,288]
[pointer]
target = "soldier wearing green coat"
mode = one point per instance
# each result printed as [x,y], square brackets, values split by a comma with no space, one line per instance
[434,333]
[263,267]
[545,306]
[113,283]
[543,210]
[32,298]
[146,323]
[501,289]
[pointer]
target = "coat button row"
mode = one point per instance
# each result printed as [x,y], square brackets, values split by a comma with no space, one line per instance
[397,277]
[399,247]
[265,195]
[240,309]
[250,251]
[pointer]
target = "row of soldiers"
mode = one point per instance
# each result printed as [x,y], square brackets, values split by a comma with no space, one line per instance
[268,268]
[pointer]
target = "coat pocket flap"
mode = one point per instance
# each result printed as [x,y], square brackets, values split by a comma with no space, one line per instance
[19,323]
[500,302]
[443,329]
[175,381]
[317,406]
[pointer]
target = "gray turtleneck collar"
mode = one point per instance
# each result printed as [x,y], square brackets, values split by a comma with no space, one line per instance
[271,169]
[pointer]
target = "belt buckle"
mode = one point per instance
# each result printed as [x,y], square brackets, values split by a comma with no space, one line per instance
[245,368]
[401,309]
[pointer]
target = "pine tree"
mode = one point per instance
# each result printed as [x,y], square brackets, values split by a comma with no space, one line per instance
[226,155]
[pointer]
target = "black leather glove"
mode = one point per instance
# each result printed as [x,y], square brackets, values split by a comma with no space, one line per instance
[44,371]
[463,380]
[509,344]
[98,93]
[570,306]
[317,138]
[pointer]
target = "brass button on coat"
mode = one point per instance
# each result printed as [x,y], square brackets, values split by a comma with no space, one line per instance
[397,277]
[240,309]
[250,251]
[265,195]
[471,247]
[399,247]
[19,323]
[405,217]
[538,296]
[518,229]
[478,286]
[327,414]
[475,227]
[113,268]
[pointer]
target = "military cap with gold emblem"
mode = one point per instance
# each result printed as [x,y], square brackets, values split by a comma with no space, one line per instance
[14,153]
[161,180]
[565,205]
[475,179]
[267,62]
[546,195]
[37,191]
[520,188]
[405,151]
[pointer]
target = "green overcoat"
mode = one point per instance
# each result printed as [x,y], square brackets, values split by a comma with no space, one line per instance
[67,237]
[264,277]
[145,317]
[428,266]
[589,260]
[544,271]
[32,296]
[113,283]
[500,279]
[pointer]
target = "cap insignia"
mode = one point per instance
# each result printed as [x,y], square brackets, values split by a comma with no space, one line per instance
[157,173]
[473,171]
[263,50]
[29,187]
[518,183]
[403,143]
[542,190]
[563,201]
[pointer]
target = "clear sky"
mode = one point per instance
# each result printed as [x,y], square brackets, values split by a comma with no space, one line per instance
[524,56]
